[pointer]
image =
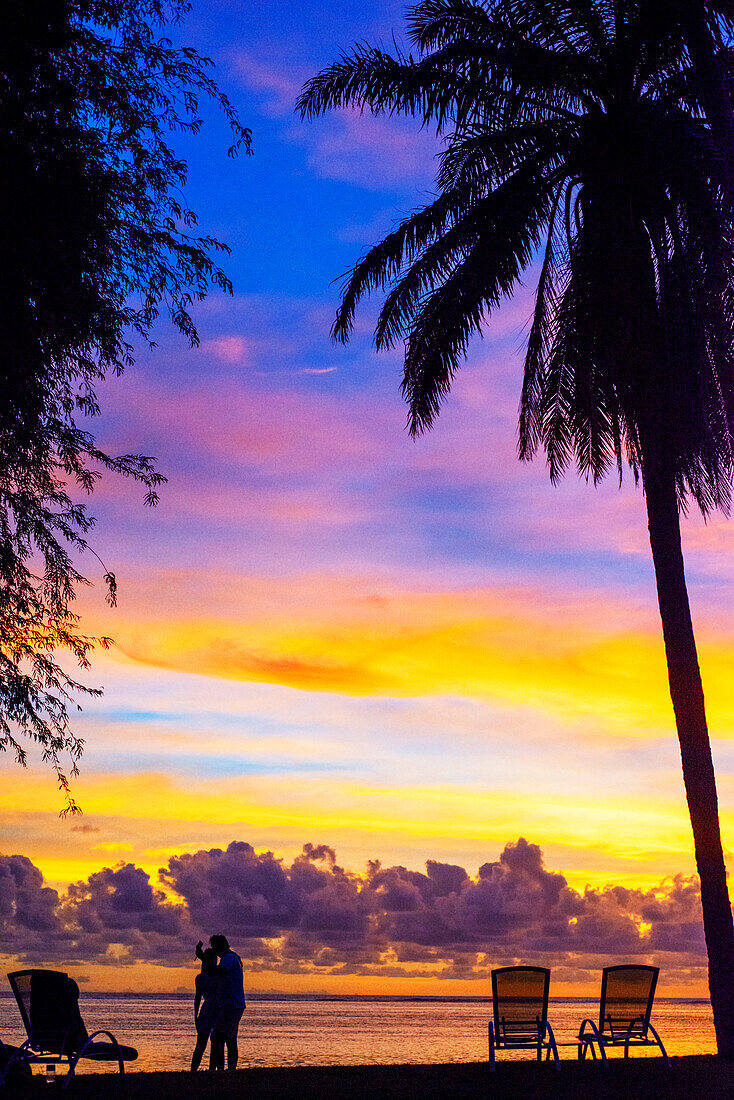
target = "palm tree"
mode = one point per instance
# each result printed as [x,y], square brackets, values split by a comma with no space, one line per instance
[701,23]
[576,134]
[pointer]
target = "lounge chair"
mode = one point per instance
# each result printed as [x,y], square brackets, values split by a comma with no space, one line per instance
[627,993]
[19,1071]
[49,1005]
[520,1011]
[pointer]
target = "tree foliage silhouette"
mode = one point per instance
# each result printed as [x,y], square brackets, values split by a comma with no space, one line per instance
[578,132]
[96,240]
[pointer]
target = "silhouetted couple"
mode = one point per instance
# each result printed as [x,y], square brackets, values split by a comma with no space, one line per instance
[218,1004]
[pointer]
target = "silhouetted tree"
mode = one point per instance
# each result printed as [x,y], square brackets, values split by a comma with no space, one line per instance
[576,131]
[702,23]
[95,239]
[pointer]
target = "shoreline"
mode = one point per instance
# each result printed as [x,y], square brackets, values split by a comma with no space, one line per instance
[645,1078]
[356,998]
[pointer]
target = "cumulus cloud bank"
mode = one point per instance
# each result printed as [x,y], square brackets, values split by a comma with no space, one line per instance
[313,916]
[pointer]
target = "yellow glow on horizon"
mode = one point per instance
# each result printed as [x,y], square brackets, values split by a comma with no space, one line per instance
[651,838]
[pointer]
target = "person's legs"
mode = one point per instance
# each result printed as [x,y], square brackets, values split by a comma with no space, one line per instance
[229,1023]
[216,1052]
[232,1053]
[199,1049]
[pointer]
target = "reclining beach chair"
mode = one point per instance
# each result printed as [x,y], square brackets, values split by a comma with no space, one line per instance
[520,1012]
[19,1071]
[49,1005]
[627,993]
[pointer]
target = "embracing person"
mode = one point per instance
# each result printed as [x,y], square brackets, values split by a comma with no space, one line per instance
[207,1003]
[229,999]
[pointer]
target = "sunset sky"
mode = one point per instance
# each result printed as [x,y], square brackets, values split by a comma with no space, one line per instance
[331,634]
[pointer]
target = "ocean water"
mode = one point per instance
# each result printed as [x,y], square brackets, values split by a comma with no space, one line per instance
[348,1031]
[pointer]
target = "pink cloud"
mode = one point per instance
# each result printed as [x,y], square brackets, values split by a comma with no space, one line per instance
[373,152]
[326,468]
[234,350]
[283,430]
[310,446]
[293,509]
[279,89]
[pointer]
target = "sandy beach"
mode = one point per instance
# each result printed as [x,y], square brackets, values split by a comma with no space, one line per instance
[701,1076]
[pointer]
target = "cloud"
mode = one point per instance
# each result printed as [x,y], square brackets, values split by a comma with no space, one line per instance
[278,89]
[375,153]
[31,926]
[366,636]
[347,145]
[233,350]
[25,903]
[119,908]
[234,890]
[288,454]
[313,916]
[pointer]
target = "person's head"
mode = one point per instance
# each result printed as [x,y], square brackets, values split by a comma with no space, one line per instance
[208,961]
[220,944]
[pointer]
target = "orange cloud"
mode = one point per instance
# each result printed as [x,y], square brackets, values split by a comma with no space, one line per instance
[328,634]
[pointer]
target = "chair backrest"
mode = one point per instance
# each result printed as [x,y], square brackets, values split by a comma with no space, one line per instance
[49,1005]
[627,993]
[520,1003]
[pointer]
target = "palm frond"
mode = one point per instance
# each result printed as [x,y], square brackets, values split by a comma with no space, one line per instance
[473,155]
[579,125]
[540,339]
[447,317]
[434,23]
[370,78]
[384,262]
[493,220]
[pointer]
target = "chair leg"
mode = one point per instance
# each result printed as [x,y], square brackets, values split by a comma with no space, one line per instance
[552,1046]
[659,1041]
[490,1032]
[590,1038]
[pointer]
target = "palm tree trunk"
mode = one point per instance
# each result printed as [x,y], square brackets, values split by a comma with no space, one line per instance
[686,691]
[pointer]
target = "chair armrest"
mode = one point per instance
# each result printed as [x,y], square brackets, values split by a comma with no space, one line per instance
[80,1053]
[587,1038]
